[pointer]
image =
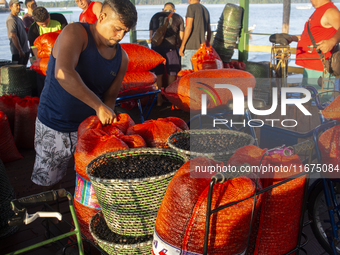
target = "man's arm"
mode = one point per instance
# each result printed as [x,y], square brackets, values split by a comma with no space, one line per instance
[187,32]
[331,18]
[111,94]
[67,49]
[208,32]
[97,7]
[17,45]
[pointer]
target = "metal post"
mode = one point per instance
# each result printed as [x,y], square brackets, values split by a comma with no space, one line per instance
[133,32]
[243,44]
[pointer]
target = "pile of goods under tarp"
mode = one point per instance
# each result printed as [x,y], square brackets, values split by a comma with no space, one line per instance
[18,117]
[281,206]
[181,218]
[186,92]
[138,78]
[94,139]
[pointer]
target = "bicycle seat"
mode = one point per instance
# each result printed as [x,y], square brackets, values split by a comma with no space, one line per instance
[257,103]
[281,39]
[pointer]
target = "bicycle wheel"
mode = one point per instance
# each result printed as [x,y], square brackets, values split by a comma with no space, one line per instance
[318,214]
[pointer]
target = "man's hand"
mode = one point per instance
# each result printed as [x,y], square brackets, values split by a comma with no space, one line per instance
[106,115]
[21,53]
[326,45]
[181,51]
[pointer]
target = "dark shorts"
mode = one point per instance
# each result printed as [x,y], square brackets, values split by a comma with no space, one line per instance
[173,61]
[21,61]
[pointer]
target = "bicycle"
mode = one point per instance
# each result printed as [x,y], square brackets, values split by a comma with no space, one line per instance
[19,206]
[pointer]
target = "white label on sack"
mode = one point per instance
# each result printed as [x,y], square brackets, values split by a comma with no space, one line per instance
[160,247]
[219,64]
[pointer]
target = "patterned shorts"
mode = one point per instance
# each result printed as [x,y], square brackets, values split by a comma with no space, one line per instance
[53,150]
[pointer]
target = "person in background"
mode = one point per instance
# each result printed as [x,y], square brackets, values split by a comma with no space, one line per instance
[197,24]
[28,17]
[91,10]
[169,47]
[44,23]
[17,34]
[84,75]
[324,25]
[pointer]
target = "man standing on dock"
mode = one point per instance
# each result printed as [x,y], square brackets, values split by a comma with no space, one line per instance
[324,25]
[169,47]
[84,75]
[197,24]
[44,23]
[91,10]
[17,34]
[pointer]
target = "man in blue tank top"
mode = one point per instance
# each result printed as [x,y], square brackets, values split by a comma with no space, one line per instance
[85,71]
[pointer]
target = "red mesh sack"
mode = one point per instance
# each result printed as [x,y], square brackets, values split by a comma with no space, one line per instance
[137,79]
[181,73]
[84,214]
[154,132]
[141,58]
[237,65]
[281,206]
[40,65]
[206,58]
[133,141]
[91,144]
[330,152]
[8,150]
[181,217]
[26,110]
[177,121]
[7,105]
[124,121]
[332,111]
[186,93]
[45,43]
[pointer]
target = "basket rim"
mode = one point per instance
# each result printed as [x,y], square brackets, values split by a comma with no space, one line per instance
[206,131]
[131,246]
[132,151]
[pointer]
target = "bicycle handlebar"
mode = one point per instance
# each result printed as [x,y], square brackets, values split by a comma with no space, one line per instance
[44,197]
[303,146]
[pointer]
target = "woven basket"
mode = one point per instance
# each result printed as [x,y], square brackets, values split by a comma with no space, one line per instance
[234,139]
[130,206]
[97,221]
[14,81]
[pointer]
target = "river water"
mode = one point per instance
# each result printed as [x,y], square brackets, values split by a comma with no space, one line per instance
[267,17]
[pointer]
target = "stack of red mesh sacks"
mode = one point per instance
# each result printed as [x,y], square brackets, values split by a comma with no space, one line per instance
[138,78]
[94,139]
[180,223]
[18,117]
[329,141]
[278,224]
[44,43]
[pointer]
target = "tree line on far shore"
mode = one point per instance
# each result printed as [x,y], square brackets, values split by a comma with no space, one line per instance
[161,2]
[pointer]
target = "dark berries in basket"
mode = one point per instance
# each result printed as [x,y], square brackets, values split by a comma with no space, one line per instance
[211,143]
[102,231]
[137,166]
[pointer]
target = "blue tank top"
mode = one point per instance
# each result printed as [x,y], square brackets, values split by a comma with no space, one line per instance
[60,110]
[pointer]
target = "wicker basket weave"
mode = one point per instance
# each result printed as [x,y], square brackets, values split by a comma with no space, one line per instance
[14,81]
[112,248]
[130,206]
[235,140]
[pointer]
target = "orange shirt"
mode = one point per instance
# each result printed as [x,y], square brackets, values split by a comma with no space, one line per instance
[312,60]
[88,15]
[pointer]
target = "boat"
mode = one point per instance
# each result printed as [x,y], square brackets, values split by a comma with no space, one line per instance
[304,7]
